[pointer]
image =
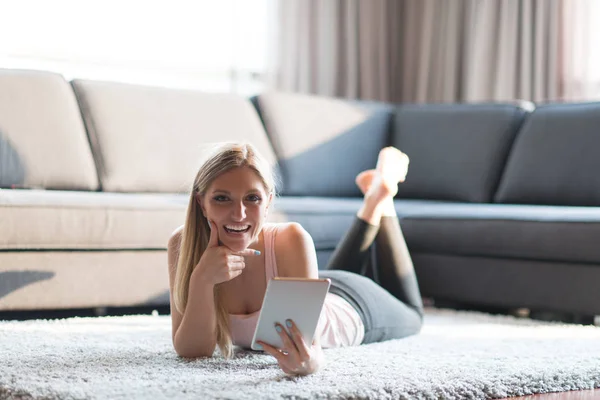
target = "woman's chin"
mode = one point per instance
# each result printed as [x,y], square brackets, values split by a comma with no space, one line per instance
[236,246]
[239,241]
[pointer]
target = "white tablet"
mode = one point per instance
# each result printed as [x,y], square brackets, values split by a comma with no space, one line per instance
[298,299]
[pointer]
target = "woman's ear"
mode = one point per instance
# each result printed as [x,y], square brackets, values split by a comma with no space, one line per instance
[269,202]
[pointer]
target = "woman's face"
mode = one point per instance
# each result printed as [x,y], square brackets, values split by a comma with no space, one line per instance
[236,202]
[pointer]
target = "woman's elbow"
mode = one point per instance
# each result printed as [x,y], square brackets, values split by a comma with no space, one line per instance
[193,354]
[186,351]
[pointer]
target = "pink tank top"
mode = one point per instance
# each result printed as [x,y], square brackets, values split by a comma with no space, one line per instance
[339,323]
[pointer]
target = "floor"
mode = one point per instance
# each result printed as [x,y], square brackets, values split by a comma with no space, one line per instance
[571,395]
[574,395]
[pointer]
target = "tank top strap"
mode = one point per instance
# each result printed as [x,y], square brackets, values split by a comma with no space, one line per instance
[270,231]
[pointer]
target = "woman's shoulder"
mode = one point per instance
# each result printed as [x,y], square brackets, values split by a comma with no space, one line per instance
[175,238]
[288,231]
[291,236]
[295,251]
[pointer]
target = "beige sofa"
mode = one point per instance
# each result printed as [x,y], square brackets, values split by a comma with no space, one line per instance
[85,217]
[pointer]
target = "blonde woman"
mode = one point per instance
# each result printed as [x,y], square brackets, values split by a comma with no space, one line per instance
[221,259]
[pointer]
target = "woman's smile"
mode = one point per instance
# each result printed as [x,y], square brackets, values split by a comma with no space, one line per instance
[237,229]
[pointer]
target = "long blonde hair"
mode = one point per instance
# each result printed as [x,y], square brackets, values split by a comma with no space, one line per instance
[196,230]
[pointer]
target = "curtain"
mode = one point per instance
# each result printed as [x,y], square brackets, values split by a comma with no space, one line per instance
[419,50]
[580,67]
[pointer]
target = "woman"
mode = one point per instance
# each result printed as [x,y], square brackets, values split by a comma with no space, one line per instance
[222,258]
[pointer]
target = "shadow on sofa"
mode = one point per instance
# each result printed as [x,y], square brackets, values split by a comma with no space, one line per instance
[11,281]
[12,169]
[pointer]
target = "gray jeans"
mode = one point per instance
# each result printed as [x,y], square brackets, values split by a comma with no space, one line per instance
[388,302]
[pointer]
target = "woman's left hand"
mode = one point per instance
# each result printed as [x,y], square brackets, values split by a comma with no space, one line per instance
[296,357]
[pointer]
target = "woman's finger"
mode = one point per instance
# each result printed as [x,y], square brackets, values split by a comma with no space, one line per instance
[248,253]
[234,274]
[232,258]
[301,346]
[236,265]
[273,351]
[288,343]
[283,359]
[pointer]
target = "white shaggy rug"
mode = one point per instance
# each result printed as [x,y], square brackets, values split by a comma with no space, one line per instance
[458,355]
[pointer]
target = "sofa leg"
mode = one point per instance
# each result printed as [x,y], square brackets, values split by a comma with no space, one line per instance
[100,311]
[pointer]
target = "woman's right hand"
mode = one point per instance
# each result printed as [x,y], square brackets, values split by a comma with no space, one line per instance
[218,263]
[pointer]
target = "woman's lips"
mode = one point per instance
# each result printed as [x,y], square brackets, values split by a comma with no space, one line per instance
[236,230]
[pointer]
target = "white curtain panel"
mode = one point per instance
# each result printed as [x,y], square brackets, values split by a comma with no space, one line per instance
[419,50]
[512,50]
[580,69]
[336,47]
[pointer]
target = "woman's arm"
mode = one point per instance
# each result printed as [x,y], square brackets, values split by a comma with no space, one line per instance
[194,331]
[296,257]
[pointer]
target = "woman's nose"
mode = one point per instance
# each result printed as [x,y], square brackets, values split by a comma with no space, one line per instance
[239,212]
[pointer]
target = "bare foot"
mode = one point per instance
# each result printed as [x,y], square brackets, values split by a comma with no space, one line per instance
[365,179]
[392,166]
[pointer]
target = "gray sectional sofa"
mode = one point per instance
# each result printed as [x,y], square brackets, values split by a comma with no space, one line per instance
[501,207]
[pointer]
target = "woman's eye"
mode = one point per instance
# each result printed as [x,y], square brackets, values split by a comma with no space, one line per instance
[253,198]
[220,198]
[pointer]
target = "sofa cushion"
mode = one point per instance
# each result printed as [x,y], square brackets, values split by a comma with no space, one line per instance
[555,158]
[323,143]
[526,232]
[457,152]
[43,142]
[38,219]
[150,139]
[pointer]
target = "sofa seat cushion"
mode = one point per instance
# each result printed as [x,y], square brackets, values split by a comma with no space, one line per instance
[38,219]
[528,232]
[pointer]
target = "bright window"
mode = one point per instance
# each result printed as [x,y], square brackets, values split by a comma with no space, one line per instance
[581,62]
[211,45]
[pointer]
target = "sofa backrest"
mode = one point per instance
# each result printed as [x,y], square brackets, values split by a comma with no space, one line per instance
[43,143]
[556,158]
[457,151]
[150,139]
[323,143]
